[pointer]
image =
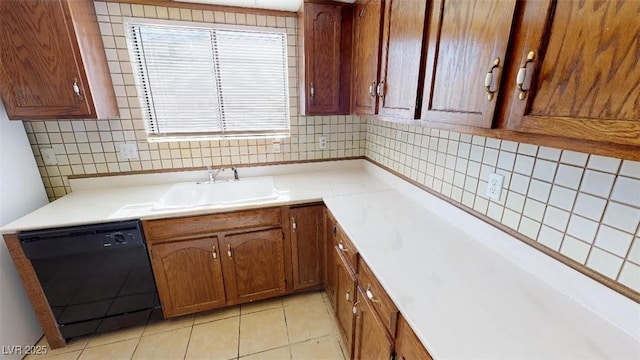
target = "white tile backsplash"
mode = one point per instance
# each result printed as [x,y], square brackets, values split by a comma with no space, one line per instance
[586,207]
[630,275]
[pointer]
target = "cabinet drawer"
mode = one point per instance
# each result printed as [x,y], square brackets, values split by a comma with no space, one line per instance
[165,230]
[344,245]
[382,304]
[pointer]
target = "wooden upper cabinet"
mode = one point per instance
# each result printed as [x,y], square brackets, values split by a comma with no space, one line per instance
[52,61]
[366,61]
[583,80]
[465,56]
[372,342]
[402,39]
[253,265]
[188,276]
[325,80]
[308,246]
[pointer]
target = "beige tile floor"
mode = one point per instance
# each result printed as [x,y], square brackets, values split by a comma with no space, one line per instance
[296,327]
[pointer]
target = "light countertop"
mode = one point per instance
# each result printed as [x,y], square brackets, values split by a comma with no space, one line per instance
[467,289]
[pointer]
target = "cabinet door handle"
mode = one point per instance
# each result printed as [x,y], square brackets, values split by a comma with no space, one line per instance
[488,80]
[370,295]
[294,226]
[215,253]
[76,89]
[347,295]
[522,75]
[312,90]
[380,89]
[342,247]
[354,309]
[229,250]
[372,89]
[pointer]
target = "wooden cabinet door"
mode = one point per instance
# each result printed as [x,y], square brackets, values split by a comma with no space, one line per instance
[466,50]
[408,346]
[253,265]
[188,276]
[345,298]
[368,25]
[584,79]
[307,242]
[372,342]
[401,57]
[40,61]
[331,260]
[322,57]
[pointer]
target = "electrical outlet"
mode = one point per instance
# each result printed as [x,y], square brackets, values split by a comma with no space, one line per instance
[322,142]
[277,146]
[49,156]
[128,151]
[494,187]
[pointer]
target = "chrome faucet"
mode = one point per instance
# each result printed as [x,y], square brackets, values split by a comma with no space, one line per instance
[213,174]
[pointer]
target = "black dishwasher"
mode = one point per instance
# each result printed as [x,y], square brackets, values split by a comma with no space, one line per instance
[95,277]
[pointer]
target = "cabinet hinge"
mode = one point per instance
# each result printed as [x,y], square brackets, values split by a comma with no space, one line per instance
[393,357]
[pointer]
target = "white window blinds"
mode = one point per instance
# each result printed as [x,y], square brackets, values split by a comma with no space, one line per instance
[196,81]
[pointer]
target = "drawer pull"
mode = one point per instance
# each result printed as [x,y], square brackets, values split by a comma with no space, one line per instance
[522,75]
[342,247]
[370,295]
[488,80]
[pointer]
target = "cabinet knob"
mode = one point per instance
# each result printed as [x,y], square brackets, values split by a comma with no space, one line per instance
[522,75]
[215,253]
[380,89]
[488,80]
[372,89]
[76,89]
[229,250]
[312,90]
[370,295]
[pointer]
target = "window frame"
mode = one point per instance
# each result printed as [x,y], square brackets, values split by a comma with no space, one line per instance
[204,136]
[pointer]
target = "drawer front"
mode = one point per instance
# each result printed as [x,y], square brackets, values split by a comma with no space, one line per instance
[346,248]
[382,304]
[164,230]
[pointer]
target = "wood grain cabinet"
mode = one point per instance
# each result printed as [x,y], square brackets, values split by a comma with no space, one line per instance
[52,61]
[253,264]
[400,72]
[325,70]
[308,246]
[372,342]
[345,299]
[331,232]
[465,56]
[366,58]
[579,66]
[188,276]
[407,344]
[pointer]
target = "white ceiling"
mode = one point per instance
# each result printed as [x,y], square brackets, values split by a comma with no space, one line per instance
[283,5]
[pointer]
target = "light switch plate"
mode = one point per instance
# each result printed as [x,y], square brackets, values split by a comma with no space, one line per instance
[494,186]
[277,146]
[128,151]
[49,156]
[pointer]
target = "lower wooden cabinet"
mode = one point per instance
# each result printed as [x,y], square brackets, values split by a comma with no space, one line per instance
[330,259]
[307,246]
[345,299]
[188,276]
[253,265]
[408,346]
[372,342]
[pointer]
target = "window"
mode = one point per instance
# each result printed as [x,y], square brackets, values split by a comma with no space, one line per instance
[203,81]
